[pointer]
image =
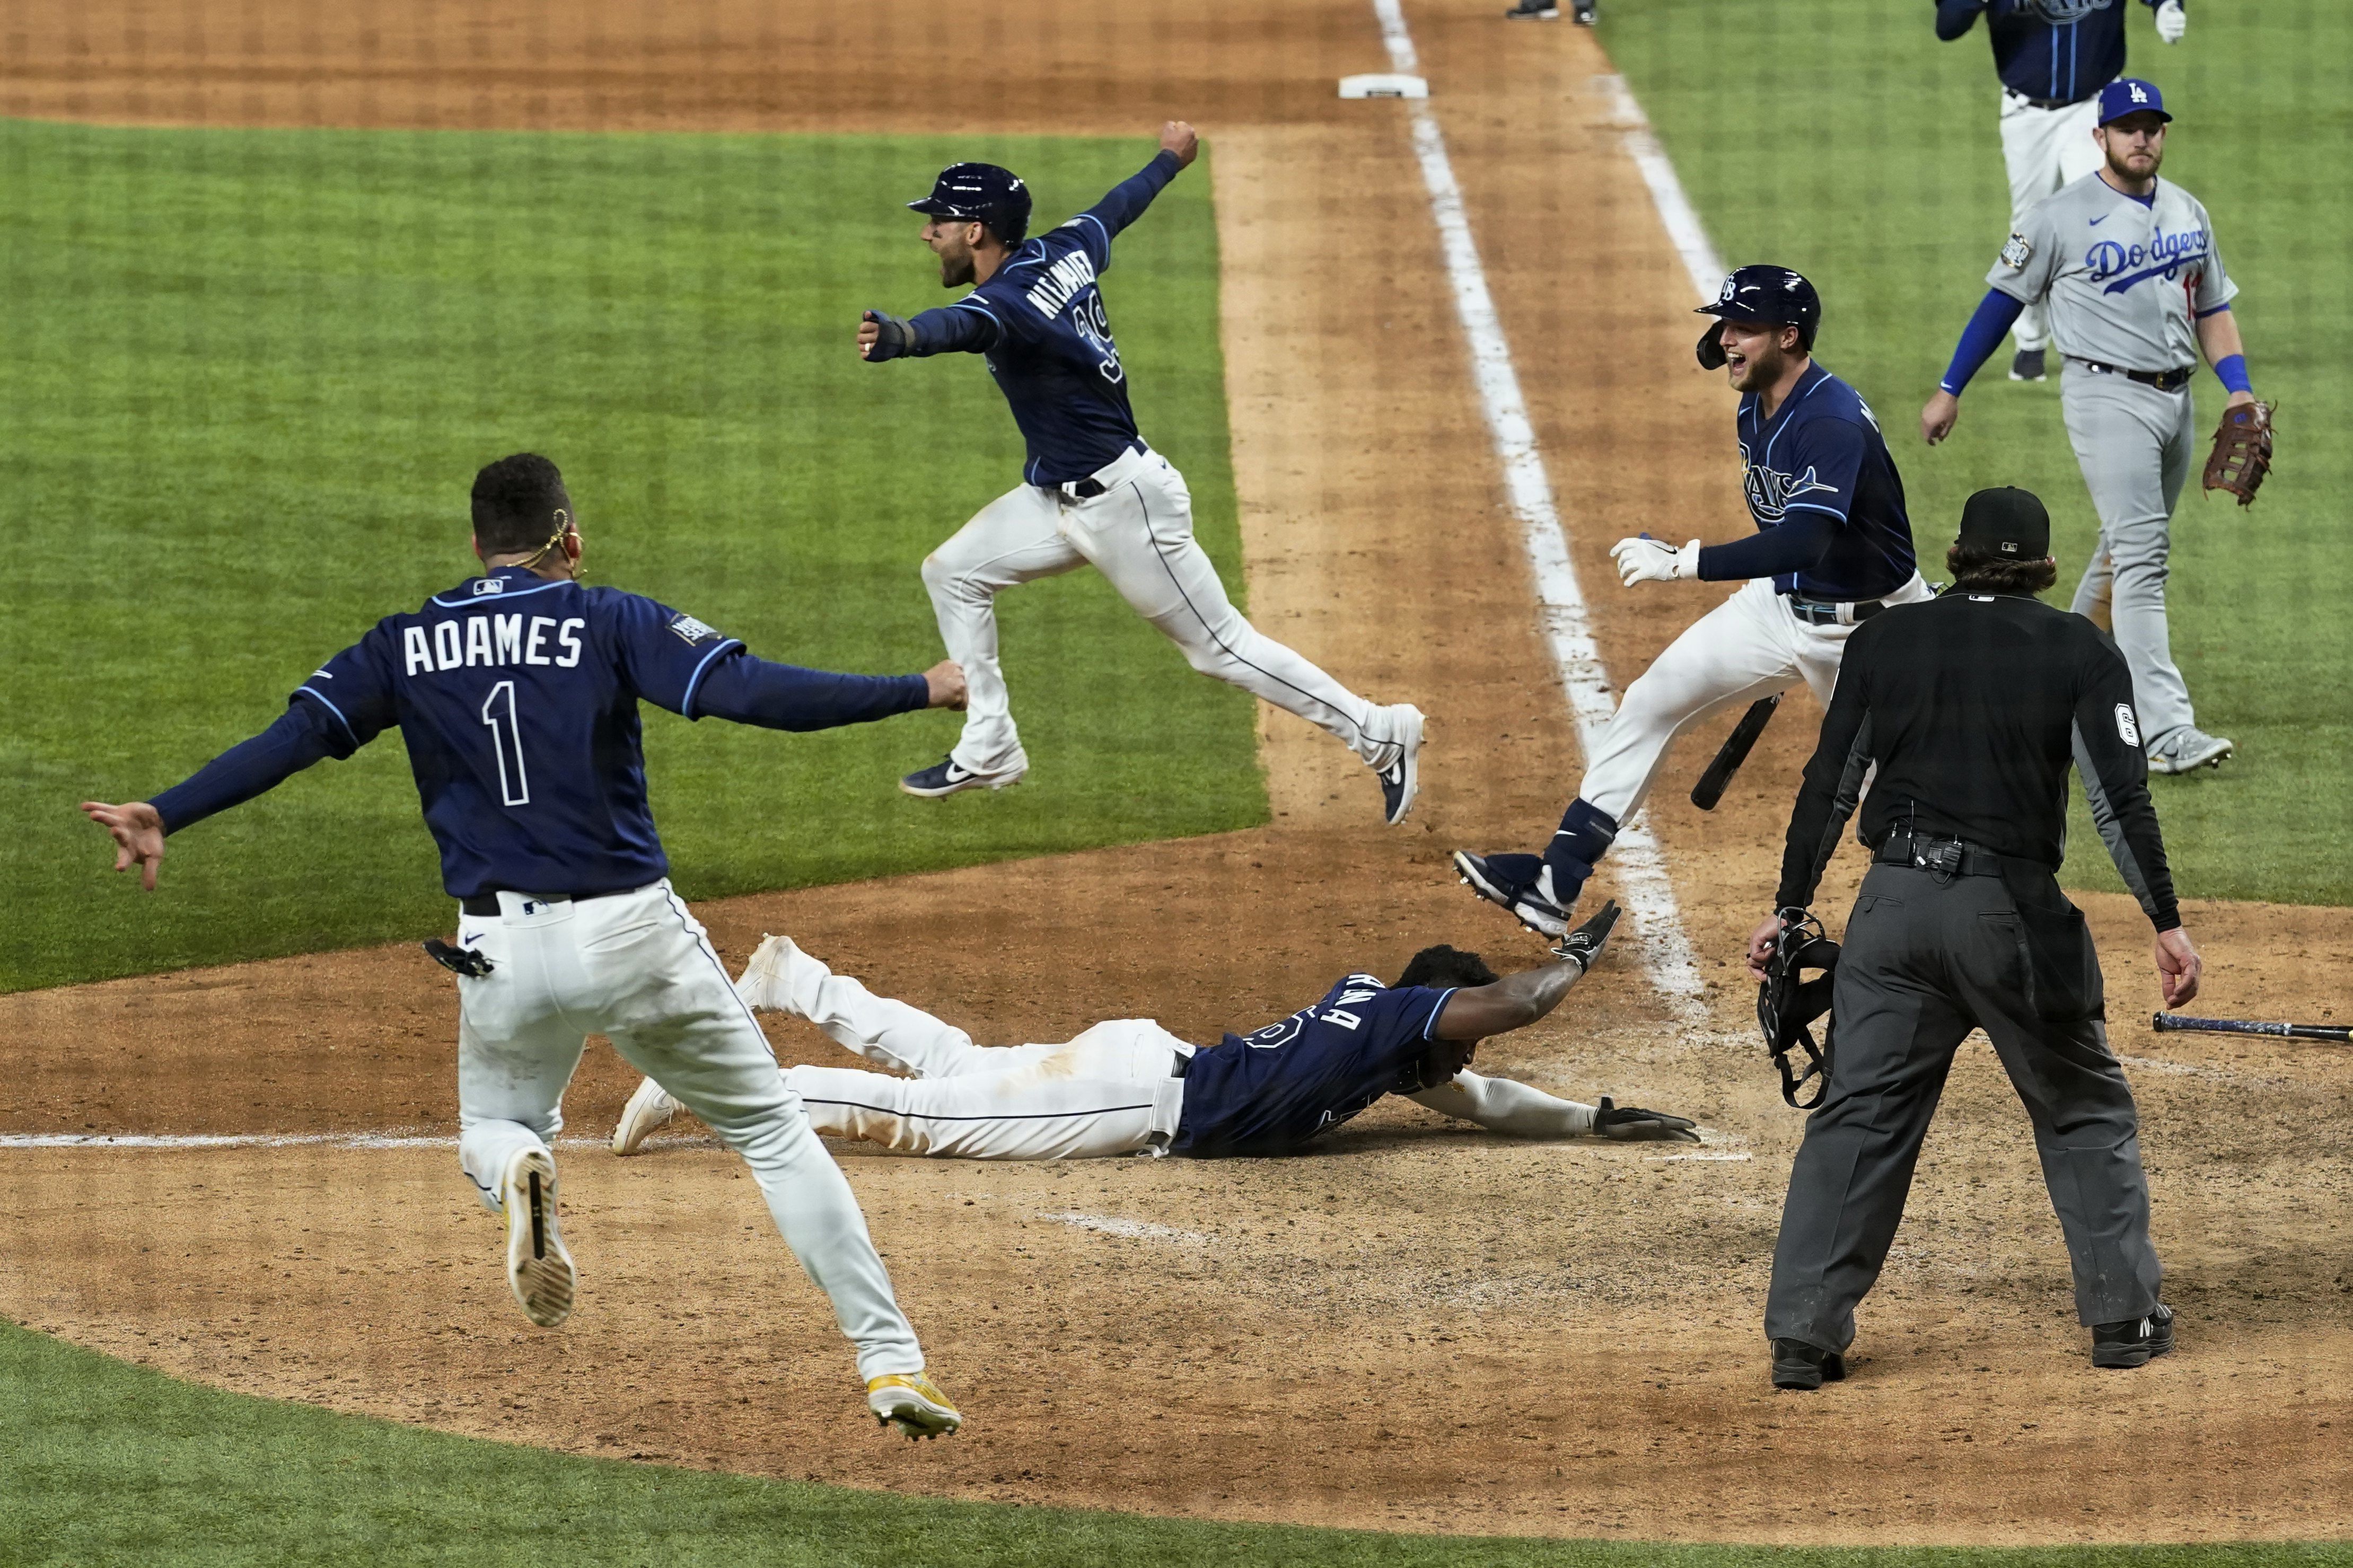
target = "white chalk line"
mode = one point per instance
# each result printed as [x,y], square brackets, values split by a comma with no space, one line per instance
[1639,866]
[1134,1229]
[290,1140]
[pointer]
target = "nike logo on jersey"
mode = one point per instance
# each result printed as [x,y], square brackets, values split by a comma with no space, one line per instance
[2097,222]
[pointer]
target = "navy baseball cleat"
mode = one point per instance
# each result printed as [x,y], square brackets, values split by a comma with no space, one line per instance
[1536,11]
[2028,365]
[2135,1341]
[1796,1364]
[1583,12]
[945,777]
[1401,780]
[1520,883]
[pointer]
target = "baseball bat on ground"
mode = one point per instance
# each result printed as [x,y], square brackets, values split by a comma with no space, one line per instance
[1736,747]
[2174,1023]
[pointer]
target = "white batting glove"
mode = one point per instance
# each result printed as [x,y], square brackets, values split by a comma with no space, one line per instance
[1646,560]
[2172,21]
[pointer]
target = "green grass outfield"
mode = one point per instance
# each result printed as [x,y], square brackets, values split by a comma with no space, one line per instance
[1840,137]
[247,376]
[104,1463]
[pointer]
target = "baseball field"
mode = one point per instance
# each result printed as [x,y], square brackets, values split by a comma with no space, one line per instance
[280,284]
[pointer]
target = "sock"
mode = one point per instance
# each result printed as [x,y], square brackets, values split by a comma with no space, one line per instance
[1585,834]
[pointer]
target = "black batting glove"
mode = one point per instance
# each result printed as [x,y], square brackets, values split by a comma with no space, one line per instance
[1584,944]
[1632,1124]
[895,340]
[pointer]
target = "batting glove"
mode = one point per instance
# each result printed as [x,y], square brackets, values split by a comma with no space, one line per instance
[1646,560]
[893,339]
[1632,1124]
[2172,21]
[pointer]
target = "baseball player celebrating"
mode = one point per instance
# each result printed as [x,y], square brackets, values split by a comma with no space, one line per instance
[516,693]
[1092,490]
[1130,1087]
[2137,287]
[1832,548]
[2052,56]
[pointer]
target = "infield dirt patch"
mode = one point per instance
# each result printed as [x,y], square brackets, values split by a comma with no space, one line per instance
[1419,1326]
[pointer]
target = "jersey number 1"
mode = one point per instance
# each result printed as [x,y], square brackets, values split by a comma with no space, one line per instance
[506,742]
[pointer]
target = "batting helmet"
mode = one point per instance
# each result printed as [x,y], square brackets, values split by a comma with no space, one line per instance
[1760,292]
[981,193]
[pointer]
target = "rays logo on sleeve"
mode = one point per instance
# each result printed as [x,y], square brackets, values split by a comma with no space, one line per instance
[1771,491]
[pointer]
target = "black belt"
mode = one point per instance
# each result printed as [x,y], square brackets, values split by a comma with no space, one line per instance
[2163,380]
[1084,489]
[1946,857]
[2045,102]
[1822,615]
[487,904]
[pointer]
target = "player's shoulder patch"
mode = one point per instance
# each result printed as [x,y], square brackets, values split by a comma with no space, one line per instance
[2016,251]
[2128,726]
[690,631]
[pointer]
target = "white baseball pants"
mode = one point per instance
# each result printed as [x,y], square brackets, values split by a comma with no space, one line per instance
[2136,446]
[1750,645]
[1139,534]
[638,968]
[2042,149]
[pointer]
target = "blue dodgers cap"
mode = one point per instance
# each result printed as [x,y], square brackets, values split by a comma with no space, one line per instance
[2130,95]
[981,193]
[1762,292]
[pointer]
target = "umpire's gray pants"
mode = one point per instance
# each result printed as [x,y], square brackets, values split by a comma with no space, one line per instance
[1924,962]
[2136,445]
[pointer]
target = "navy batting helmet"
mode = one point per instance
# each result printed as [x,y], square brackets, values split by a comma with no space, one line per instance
[981,193]
[1759,293]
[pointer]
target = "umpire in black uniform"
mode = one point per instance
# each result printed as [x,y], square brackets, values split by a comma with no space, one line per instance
[1973,705]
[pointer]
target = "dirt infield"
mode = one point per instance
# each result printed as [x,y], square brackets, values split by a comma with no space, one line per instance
[1417,1327]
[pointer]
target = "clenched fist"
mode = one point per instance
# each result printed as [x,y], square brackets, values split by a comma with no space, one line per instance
[1646,560]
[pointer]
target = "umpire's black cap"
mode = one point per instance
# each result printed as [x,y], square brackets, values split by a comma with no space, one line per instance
[2008,522]
[1762,292]
[981,193]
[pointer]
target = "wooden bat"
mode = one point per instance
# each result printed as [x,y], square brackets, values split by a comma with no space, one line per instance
[1736,747]
[2174,1023]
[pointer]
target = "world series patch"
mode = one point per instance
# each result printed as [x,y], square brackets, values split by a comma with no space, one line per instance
[2014,254]
[692,630]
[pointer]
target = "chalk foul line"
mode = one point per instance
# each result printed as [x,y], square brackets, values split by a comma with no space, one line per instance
[1639,863]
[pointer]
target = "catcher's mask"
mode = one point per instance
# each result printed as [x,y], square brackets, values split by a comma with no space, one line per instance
[1787,1004]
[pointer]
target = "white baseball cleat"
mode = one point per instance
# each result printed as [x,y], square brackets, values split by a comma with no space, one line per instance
[2187,750]
[912,1402]
[538,1269]
[767,982]
[1401,780]
[648,1108]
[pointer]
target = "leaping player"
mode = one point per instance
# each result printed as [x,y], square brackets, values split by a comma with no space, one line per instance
[1130,1087]
[1092,491]
[1832,548]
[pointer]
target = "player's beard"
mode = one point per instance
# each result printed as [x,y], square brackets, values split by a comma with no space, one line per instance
[957,269]
[1761,370]
[2123,170]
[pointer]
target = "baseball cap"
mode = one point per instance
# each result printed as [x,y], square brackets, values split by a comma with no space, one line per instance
[2130,95]
[981,193]
[1762,292]
[2006,521]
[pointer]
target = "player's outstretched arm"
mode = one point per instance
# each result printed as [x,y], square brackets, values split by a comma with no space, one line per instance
[964,327]
[1125,201]
[1518,1000]
[137,831]
[748,691]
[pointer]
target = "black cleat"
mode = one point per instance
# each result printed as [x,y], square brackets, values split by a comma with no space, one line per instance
[1583,13]
[2027,366]
[1536,11]
[2133,1341]
[1796,1364]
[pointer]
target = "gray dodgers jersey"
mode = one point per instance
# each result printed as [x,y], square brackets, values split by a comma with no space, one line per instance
[2123,278]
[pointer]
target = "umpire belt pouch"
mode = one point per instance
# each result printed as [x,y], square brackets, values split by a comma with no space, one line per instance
[2062,970]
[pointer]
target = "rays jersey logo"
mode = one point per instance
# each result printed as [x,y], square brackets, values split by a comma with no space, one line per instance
[2059,13]
[1770,491]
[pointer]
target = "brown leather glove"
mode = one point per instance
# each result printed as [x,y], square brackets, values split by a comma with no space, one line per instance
[2242,451]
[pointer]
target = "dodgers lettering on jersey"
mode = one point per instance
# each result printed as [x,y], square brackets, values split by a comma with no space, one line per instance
[2126,279]
[1823,451]
[1270,1092]
[517,698]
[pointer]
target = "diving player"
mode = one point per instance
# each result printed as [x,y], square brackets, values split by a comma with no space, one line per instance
[1832,548]
[516,694]
[1092,492]
[1130,1087]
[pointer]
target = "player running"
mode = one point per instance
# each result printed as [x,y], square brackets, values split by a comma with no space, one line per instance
[2135,288]
[1832,548]
[516,693]
[1130,1087]
[1092,490]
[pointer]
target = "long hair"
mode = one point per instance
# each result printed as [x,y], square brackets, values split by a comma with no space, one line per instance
[1982,571]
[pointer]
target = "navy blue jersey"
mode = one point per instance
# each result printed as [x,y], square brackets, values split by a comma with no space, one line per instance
[517,697]
[1040,321]
[1821,461]
[1269,1093]
[2056,50]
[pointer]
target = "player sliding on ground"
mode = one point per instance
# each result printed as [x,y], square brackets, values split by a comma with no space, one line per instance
[1130,1087]
[516,694]
[1092,492]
